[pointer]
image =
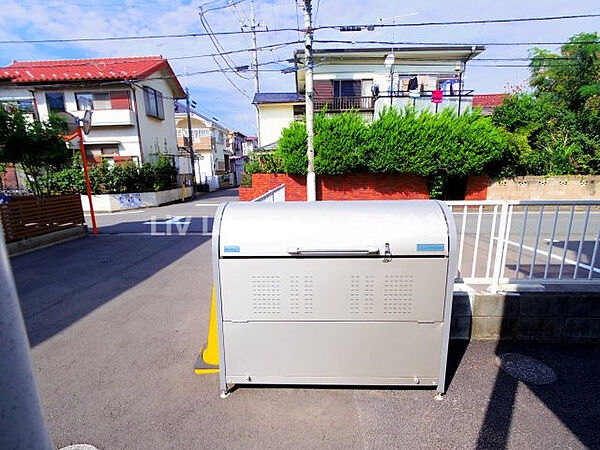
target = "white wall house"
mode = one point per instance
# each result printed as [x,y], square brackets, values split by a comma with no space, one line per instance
[131,99]
[358,79]
[211,152]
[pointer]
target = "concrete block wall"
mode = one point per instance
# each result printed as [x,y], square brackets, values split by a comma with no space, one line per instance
[355,186]
[573,187]
[547,316]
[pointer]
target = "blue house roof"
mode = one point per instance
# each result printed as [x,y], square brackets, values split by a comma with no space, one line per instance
[277,97]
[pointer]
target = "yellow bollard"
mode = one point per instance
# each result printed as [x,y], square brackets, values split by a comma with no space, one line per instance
[208,358]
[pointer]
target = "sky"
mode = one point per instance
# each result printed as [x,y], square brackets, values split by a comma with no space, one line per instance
[215,94]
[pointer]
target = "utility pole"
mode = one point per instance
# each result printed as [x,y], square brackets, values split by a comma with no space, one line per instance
[190,140]
[311,184]
[253,26]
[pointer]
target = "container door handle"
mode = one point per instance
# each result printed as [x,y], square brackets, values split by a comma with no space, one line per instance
[371,250]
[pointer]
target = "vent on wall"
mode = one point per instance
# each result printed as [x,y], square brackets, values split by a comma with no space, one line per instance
[266,294]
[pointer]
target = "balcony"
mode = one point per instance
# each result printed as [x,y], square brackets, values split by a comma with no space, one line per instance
[337,104]
[110,117]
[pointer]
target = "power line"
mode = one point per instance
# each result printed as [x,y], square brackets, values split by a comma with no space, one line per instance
[143,37]
[471,44]
[277,30]
[458,22]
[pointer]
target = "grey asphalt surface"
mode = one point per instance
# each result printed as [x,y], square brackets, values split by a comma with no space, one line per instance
[116,321]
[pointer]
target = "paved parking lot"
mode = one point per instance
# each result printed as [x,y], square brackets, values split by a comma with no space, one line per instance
[115,323]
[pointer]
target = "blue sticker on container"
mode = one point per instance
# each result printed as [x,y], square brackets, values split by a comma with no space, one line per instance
[431,247]
[231,249]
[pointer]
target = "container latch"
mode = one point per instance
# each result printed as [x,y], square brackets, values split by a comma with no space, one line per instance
[387,255]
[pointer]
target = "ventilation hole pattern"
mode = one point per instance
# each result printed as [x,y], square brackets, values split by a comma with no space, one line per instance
[266,294]
[397,294]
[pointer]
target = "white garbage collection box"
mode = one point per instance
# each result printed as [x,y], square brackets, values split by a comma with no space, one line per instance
[352,292]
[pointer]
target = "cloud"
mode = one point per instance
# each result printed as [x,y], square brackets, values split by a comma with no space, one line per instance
[31,19]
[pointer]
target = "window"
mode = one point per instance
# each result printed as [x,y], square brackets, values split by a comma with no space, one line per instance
[25,106]
[55,101]
[103,100]
[154,103]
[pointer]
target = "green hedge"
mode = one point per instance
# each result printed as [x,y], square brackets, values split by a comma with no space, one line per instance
[440,146]
[153,176]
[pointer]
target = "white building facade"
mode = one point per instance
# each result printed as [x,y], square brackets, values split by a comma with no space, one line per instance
[131,99]
[426,78]
[211,152]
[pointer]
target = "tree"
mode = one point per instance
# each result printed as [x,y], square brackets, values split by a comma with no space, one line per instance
[555,129]
[37,146]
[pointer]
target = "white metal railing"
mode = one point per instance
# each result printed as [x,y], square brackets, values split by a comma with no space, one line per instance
[528,242]
[274,195]
[521,241]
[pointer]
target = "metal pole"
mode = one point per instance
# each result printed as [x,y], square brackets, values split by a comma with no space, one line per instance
[253,26]
[22,425]
[190,140]
[87,179]
[392,85]
[459,90]
[311,188]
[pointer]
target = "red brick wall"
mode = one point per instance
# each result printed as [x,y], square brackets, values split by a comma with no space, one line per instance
[356,186]
[477,186]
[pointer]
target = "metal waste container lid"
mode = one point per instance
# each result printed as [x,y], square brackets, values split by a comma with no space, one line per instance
[333,228]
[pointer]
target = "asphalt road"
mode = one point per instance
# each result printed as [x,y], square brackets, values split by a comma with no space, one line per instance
[115,323]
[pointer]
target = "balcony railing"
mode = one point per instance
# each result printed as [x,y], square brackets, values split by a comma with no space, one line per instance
[345,103]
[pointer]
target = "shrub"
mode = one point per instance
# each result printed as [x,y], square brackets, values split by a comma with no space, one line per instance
[121,178]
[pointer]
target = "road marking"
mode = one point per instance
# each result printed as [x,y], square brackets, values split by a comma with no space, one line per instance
[117,213]
[567,260]
[172,220]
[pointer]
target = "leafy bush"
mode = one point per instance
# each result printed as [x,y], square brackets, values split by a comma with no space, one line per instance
[433,145]
[120,178]
[37,147]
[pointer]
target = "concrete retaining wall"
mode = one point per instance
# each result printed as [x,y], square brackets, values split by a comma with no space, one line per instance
[529,316]
[119,202]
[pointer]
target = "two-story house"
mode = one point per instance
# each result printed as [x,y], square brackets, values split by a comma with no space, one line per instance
[369,79]
[209,139]
[131,98]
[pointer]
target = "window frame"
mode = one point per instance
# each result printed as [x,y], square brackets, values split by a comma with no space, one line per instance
[47,96]
[154,103]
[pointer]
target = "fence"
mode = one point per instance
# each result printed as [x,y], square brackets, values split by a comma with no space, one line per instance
[521,242]
[274,195]
[528,242]
[25,217]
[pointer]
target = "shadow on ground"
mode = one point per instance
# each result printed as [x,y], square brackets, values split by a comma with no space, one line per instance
[572,398]
[60,285]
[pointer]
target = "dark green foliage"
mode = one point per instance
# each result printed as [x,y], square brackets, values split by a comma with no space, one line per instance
[292,148]
[555,130]
[340,140]
[434,145]
[36,146]
[122,178]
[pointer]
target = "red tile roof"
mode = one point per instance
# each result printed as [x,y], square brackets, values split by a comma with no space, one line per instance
[97,69]
[488,100]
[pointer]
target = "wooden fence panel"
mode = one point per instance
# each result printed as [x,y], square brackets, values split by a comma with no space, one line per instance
[26,217]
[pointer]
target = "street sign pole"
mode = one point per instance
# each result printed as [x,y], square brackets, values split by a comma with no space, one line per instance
[87,179]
